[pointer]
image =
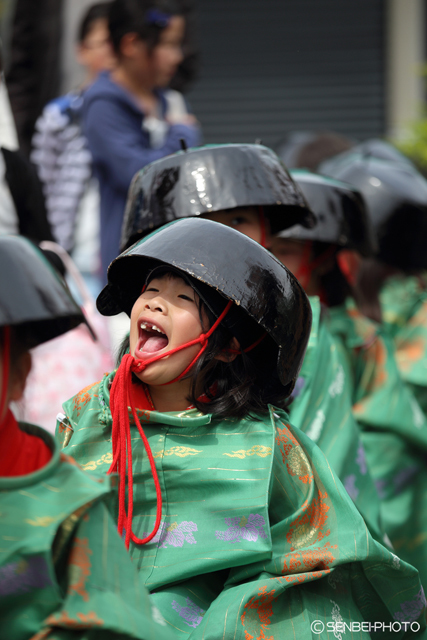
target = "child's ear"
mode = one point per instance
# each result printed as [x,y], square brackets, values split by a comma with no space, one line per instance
[129,44]
[18,377]
[349,264]
[227,355]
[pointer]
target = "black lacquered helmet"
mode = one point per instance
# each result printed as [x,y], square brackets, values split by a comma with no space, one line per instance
[396,200]
[208,179]
[32,295]
[373,147]
[223,265]
[340,213]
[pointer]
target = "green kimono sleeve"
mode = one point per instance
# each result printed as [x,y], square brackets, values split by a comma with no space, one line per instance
[103,595]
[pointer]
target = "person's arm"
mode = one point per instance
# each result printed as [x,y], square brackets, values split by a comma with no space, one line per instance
[117,152]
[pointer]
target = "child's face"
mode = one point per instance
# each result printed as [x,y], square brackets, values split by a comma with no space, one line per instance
[289,252]
[167,55]
[95,52]
[293,254]
[165,316]
[243,219]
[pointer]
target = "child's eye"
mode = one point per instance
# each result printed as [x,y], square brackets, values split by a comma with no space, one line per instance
[152,289]
[184,297]
[238,220]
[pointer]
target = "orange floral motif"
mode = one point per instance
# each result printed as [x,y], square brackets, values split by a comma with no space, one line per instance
[83,397]
[69,459]
[409,352]
[376,357]
[293,455]
[306,560]
[80,567]
[143,416]
[307,528]
[85,621]
[257,615]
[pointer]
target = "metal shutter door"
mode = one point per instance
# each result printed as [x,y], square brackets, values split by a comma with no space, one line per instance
[272,66]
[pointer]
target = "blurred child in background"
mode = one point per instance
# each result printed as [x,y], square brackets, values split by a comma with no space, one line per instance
[126,112]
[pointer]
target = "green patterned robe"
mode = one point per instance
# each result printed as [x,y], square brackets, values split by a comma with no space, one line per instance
[322,408]
[64,572]
[394,431]
[404,308]
[258,537]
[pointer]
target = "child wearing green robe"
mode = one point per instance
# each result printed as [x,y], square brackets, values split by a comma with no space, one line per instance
[394,429]
[396,200]
[64,572]
[234,518]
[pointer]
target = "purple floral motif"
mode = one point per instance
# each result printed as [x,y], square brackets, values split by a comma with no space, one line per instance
[24,576]
[411,609]
[174,534]
[192,614]
[361,459]
[380,486]
[350,486]
[247,528]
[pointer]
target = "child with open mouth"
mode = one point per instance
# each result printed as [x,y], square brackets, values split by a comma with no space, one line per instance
[237,524]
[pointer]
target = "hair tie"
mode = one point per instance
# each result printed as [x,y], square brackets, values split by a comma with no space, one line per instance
[157,18]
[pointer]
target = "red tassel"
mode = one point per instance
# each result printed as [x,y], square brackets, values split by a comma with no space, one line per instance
[120,399]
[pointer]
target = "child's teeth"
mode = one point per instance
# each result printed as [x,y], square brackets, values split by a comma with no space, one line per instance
[155,328]
[143,326]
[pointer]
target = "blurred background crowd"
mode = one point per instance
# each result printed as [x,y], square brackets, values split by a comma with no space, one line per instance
[85,104]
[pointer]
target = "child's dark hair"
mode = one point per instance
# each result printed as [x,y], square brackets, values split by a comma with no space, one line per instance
[95,12]
[147,18]
[237,389]
[21,341]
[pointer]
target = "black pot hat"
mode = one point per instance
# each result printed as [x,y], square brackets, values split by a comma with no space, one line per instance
[31,293]
[396,200]
[223,265]
[212,178]
[374,148]
[340,213]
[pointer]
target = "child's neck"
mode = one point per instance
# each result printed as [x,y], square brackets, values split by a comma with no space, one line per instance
[143,92]
[172,397]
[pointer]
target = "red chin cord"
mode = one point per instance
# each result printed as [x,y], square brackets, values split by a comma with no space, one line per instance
[5,369]
[120,399]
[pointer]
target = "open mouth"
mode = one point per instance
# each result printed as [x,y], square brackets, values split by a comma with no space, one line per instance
[151,340]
